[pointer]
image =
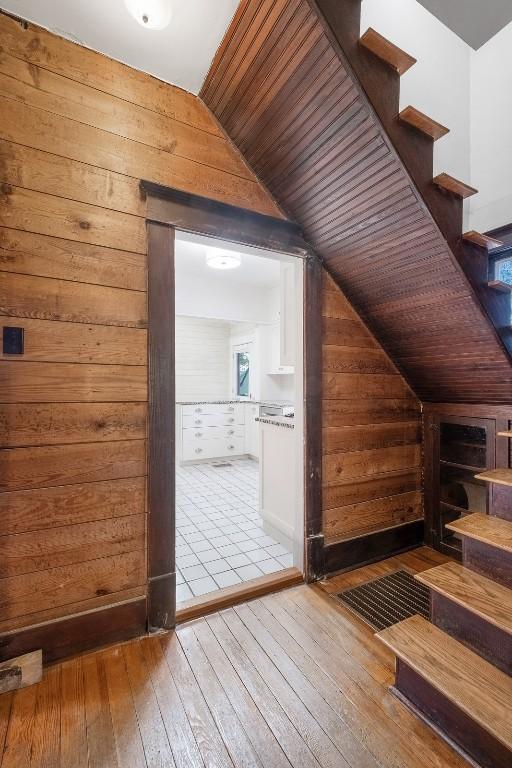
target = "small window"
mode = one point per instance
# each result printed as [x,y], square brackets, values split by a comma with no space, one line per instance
[242,374]
[503,270]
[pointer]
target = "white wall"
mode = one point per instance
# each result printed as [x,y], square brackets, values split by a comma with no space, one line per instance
[491,133]
[202,359]
[439,83]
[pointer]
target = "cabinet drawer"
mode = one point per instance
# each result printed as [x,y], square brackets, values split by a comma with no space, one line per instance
[212,449]
[211,420]
[212,409]
[200,434]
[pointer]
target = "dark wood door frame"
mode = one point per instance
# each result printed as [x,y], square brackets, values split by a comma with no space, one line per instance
[169,210]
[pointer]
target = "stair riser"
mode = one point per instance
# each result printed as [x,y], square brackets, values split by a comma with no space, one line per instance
[501,502]
[484,638]
[451,721]
[492,562]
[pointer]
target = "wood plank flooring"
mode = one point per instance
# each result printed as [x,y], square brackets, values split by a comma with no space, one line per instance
[287,680]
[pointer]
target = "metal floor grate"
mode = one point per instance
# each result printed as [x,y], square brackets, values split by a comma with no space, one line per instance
[387,600]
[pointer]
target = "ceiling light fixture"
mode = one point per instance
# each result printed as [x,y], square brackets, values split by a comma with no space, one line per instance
[219,258]
[151,14]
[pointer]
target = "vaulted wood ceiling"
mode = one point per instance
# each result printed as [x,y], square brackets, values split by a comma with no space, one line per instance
[285,94]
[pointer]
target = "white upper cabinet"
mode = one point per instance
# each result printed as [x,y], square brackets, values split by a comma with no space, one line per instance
[288,321]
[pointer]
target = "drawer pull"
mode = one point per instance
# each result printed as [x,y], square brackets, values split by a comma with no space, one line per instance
[199,410]
[231,420]
[199,434]
[199,450]
[231,431]
[231,408]
[231,447]
[198,421]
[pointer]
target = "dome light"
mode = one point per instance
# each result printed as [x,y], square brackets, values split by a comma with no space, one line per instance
[151,14]
[219,258]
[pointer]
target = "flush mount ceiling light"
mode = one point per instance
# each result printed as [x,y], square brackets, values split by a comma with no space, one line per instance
[151,14]
[218,258]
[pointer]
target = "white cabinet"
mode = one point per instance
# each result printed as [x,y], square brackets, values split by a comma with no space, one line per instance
[276,365]
[252,430]
[210,431]
[288,320]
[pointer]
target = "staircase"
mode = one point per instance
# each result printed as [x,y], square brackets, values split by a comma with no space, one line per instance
[379,65]
[314,108]
[456,672]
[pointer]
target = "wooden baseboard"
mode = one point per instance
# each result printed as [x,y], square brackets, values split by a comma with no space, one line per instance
[224,598]
[82,632]
[354,553]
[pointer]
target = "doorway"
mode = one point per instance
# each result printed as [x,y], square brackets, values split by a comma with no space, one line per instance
[170,214]
[239,416]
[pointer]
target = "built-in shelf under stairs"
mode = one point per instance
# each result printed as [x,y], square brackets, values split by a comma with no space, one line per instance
[456,671]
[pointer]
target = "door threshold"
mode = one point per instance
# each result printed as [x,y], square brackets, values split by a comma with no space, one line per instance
[239,593]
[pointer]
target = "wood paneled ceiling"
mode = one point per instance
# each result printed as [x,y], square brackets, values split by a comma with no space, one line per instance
[287,97]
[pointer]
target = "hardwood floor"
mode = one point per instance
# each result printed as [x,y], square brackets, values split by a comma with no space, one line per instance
[291,679]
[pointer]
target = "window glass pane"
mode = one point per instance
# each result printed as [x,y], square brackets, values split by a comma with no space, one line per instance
[242,368]
[504,270]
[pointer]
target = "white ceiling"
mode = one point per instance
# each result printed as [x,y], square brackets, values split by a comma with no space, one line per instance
[256,270]
[475,21]
[180,54]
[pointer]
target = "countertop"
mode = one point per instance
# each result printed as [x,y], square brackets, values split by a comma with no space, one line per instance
[274,403]
[277,421]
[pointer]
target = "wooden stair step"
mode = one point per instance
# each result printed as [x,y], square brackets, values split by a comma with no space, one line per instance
[476,593]
[387,51]
[459,675]
[454,186]
[499,476]
[489,530]
[423,123]
[484,241]
[508,433]
[500,286]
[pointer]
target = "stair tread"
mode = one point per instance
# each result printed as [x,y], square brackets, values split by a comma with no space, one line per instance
[387,51]
[483,240]
[500,476]
[507,433]
[423,123]
[489,530]
[453,185]
[464,678]
[500,286]
[480,595]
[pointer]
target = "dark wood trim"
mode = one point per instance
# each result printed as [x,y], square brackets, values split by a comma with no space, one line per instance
[486,639]
[161,524]
[504,234]
[352,553]
[167,210]
[203,216]
[314,550]
[239,593]
[448,720]
[78,633]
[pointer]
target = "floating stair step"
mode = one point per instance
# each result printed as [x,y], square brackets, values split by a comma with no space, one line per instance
[498,476]
[454,186]
[489,600]
[505,434]
[423,123]
[500,286]
[437,674]
[484,241]
[486,529]
[387,51]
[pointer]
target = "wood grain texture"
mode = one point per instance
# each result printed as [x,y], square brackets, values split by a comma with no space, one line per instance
[316,115]
[23,425]
[78,133]
[51,465]
[371,431]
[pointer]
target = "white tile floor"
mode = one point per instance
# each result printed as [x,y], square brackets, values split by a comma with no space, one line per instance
[219,539]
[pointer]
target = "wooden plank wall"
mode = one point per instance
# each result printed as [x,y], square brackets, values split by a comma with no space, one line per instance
[371,429]
[77,133]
